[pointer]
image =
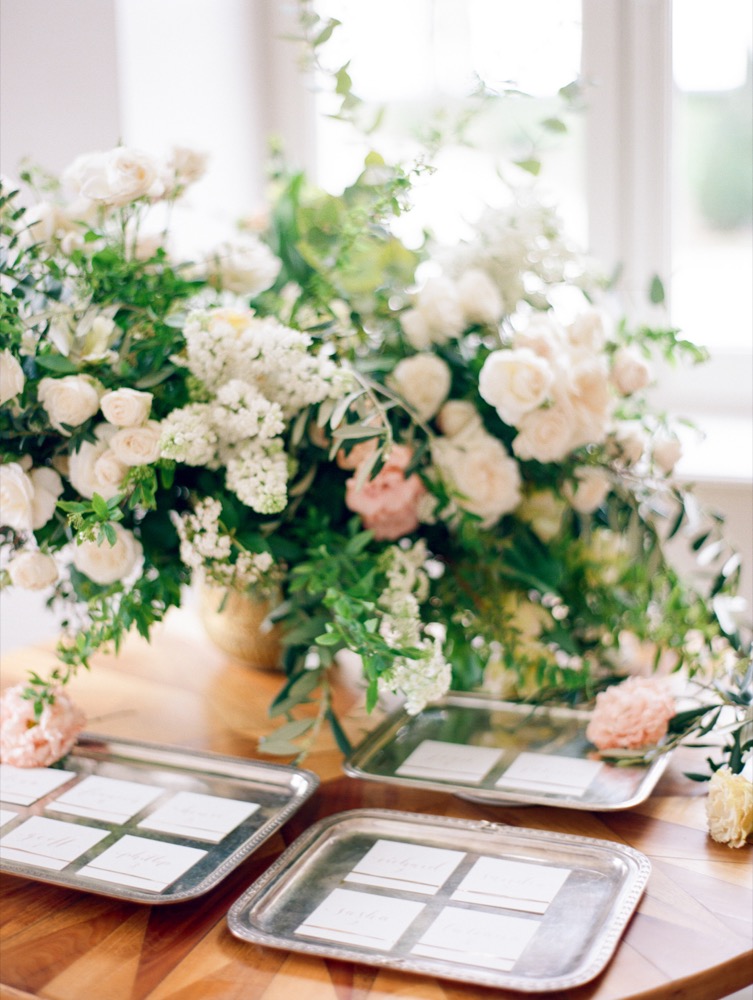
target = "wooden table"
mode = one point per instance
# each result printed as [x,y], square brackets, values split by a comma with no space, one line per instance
[689,938]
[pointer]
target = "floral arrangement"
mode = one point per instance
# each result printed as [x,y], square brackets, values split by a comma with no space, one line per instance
[443,460]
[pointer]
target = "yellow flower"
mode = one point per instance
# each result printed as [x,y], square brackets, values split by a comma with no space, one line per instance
[729,807]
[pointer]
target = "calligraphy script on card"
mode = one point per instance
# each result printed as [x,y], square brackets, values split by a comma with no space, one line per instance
[361,918]
[198,816]
[513,885]
[48,843]
[550,774]
[142,863]
[410,867]
[442,761]
[476,938]
[24,785]
[108,799]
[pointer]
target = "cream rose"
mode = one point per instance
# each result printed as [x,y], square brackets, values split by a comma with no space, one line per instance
[423,380]
[416,329]
[729,807]
[32,570]
[484,477]
[439,304]
[69,401]
[545,435]
[479,297]
[245,268]
[107,563]
[16,497]
[630,372]
[591,401]
[544,336]
[459,418]
[94,468]
[666,452]
[589,491]
[627,442]
[588,332]
[11,377]
[187,165]
[137,445]
[119,177]
[515,382]
[47,488]
[126,407]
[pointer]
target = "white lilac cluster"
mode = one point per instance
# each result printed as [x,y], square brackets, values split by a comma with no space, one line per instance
[257,472]
[427,677]
[205,546]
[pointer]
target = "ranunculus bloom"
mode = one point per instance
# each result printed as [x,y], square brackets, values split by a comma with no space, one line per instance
[631,715]
[729,807]
[388,503]
[29,742]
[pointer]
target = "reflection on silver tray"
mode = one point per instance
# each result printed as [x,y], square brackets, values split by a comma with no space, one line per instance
[598,885]
[523,736]
[277,790]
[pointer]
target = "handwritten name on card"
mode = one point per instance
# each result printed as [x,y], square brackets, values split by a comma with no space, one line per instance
[24,785]
[360,918]
[49,843]
[142,863]
[410,867]
[475,938]
[201,817]
[550,774]
[514,885]
[108,799]
[442,761]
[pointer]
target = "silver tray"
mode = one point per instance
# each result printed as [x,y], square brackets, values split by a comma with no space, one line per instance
[278,791]
[545,735]
[567,945]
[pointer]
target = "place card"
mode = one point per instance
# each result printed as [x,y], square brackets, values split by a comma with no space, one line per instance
[471,937]
[6,815]
[24,785]
[360,918]
[142,863]
[410,867]
[450,761]
[544,772]
[48,843]
[513,885]
[201,817]
[110,799]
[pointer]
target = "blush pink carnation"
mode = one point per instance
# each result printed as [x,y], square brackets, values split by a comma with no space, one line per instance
[388,503]
[631,715]
[28,742]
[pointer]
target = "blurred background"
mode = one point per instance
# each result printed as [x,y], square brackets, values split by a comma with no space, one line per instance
[653,172]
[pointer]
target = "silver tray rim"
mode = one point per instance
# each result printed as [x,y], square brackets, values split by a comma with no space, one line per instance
[254,896]
[307,783]
[353,766]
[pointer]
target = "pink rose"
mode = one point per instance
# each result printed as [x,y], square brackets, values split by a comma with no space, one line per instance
[631,715]
[29,742]
[388,503]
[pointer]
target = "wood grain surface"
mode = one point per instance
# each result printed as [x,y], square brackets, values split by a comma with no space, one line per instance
[689,938]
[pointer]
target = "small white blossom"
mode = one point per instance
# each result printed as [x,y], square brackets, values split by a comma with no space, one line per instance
[188,436]
[257,472]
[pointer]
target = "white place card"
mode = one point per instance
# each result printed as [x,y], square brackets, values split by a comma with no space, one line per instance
[48,843]
[198,816]
[360,918]
[472,937]
[108,799]
[6,815]
[514,885]
[142,863]
[450,761]
[410,867]
[544,772]
[24,785]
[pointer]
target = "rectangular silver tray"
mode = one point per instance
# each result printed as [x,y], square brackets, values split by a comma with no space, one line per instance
[574,938]
[279,789]
[479,720]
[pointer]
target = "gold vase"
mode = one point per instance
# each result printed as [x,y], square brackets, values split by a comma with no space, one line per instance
[236,623]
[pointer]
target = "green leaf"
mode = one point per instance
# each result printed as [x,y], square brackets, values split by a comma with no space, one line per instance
[554,125]
[292,730]
[100,508]
[656,292]
[56,363]
[530,165]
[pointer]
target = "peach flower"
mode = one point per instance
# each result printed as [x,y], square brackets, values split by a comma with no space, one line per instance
[29,742]
[631,715]
[388,503]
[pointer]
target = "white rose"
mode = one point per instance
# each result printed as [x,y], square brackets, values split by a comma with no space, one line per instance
[459,418]
[126,407]
[121,176]
[11,377]
[16,497]
[667,452]
[47,488]
[544,336]
[630,371]
[416,329]
[246,268]
[589,491]
[515,382]
[542,511]
[32,570]
[137,445]
[87,170]
[94,468]
[545,435]
[187,165]
[107,563]
[423,381]
[70,400]
[589,331]
[485,477]
[479,297]
[628,442]
[439,304]
[589,395]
